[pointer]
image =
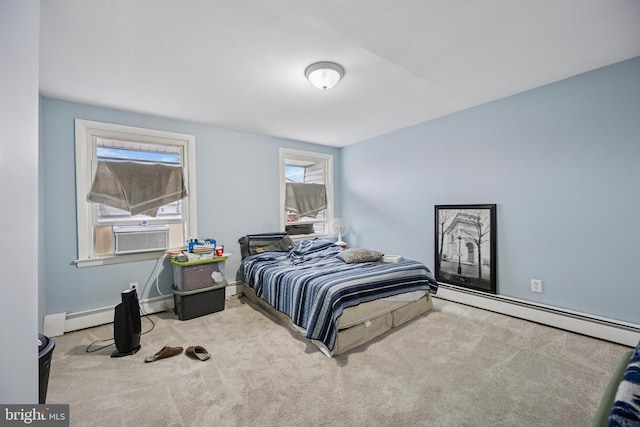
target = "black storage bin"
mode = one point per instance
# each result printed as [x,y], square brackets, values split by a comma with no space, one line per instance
[199,302]
[45,353]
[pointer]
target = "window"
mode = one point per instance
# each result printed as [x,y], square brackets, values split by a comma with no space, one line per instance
[302,167]
[107,234]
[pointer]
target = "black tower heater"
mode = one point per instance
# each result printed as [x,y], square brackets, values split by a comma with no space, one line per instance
[126,325]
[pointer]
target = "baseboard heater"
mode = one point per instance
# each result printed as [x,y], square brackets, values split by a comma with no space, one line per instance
[581,323]
[59,323]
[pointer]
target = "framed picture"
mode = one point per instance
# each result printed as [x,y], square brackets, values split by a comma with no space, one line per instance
[466,246]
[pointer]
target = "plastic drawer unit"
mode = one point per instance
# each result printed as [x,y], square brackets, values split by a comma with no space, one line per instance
[198,274]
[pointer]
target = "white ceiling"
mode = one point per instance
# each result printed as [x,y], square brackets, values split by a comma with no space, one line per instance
[240,64]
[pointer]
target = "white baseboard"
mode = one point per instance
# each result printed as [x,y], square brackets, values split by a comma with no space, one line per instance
[53,324]
[102,316]
[58,323]
[581,323]
[233,289]
[594,326]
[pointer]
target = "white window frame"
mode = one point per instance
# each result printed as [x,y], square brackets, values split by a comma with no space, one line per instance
[310,156]
[86,134]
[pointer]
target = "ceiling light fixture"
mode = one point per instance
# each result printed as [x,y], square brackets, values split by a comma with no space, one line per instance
[324,75]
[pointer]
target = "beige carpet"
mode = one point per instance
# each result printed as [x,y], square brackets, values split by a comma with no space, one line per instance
[455,366]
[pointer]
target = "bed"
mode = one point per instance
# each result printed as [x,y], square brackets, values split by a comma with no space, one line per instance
[337,298]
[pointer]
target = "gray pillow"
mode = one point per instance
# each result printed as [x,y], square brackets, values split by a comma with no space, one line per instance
[356,255]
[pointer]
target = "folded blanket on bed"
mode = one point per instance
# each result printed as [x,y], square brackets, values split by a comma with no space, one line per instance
[312,286]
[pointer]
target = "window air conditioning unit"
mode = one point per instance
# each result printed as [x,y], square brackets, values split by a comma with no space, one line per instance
[147,238]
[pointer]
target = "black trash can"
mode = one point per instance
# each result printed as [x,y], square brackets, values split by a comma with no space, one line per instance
[45,352]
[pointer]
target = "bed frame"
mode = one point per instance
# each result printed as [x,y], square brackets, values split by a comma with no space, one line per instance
[360,324]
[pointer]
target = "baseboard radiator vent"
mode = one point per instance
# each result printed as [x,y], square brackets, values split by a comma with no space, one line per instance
[581,323]
[58,323]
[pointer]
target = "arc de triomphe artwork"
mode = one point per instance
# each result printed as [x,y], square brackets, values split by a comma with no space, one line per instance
[466,245]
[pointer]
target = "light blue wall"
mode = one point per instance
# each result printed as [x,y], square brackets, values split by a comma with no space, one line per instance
[237,186]
[562,163]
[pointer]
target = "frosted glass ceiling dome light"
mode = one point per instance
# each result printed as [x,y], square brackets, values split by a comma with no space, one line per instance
[324,75]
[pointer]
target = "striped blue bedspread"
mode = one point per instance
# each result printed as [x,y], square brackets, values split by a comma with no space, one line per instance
[626,407]
[312,286]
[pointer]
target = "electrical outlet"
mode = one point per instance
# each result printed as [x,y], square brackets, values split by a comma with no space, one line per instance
[536,285]
[134,285]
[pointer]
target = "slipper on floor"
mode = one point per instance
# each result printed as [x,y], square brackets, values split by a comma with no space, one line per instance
[164,353]
[198,352]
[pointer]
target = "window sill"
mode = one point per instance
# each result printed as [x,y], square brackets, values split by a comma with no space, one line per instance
[118,259]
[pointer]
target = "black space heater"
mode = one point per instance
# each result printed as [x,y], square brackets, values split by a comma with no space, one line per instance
[126,325]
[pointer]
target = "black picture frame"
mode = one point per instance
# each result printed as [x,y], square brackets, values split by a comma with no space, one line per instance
[465,246]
